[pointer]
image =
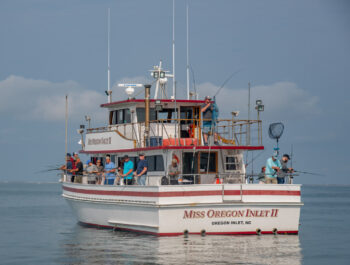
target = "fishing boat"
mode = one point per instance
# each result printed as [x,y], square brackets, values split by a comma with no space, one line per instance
[214,195]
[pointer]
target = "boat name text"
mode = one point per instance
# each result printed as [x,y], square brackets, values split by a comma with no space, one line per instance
[102,140]
[229,213]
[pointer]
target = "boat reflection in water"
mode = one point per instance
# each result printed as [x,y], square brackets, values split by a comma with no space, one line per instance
[95,246]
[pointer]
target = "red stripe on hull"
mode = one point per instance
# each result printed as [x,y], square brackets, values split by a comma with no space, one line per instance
[262,192]
[185,193]
[180,234]
[146,194]
[174,147]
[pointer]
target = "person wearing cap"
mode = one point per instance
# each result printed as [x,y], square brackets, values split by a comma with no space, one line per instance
[207,115]
[284,170]
[91,171]
[100,170]
[127,170]
[78,170]
[261,176]
[141,170]
[173,172]
[273,166]
[67,167]
[109,171]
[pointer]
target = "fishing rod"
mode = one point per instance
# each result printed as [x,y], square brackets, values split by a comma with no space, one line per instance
[253,159]
[228,79]
[309,173]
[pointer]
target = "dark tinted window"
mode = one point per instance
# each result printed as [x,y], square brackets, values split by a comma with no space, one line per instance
[155,163]
[231,163]
[203,162]
[189,163]
[140,112]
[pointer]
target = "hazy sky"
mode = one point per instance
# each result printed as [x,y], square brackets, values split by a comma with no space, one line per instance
[296,54]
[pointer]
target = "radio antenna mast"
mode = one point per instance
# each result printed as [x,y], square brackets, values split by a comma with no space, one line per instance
[174,82]
[188,64]
[108,60]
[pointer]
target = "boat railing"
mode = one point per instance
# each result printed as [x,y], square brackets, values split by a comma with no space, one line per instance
[197,178]
[184,132]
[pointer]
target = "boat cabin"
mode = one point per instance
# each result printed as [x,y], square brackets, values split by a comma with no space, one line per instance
[165,129]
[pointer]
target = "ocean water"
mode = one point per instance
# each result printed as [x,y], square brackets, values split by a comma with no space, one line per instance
[38,227]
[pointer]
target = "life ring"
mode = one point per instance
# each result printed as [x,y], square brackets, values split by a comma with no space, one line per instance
[177,159]
[191,128]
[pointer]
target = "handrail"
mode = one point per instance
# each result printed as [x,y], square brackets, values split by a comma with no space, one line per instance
[220,178]
[230,132]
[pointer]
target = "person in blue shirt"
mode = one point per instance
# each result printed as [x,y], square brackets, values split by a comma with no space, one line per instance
[141,170]
[67,168]
[127,170]
[273,166]
[109,171]
[209,115]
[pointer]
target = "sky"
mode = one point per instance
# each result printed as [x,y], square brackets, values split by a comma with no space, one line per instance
[295,54]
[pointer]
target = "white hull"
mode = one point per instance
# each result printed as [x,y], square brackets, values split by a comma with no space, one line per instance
[193,209]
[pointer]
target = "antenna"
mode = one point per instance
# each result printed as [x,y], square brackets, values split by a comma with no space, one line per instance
[108,60]
[174,82]
[66,128]
[248,113]
[188,64]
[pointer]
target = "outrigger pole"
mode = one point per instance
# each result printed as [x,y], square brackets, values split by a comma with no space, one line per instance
[66,127]
[174,83]
[108,60]
[187,48]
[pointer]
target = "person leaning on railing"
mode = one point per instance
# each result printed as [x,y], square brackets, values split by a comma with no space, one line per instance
[91,171]
[141,171]
[109,171]
[285,170]
[273,166]
[68,167]
[78,170]
[100,170]
[127,170]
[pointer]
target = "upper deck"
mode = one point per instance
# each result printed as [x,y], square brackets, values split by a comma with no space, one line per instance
[167,124]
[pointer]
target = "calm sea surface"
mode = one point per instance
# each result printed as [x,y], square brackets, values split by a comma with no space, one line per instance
[38,227]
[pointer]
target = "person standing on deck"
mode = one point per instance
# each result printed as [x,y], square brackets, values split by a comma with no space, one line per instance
[109,171]
[173,171]
[207,116]
[285,170]
[141,171]
[91,171]
[67,167]
[127,170]
[100,170]
[261,176]
[78,170]
[273,166]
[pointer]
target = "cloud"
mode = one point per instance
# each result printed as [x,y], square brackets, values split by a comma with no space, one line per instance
[30,99]
[282,100]
[24,98]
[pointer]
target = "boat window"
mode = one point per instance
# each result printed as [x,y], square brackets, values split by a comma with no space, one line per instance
[190,163]
[120,116]
[155,163]
[231,163]
[166,114]
[203,162]
[140,112]
[127,116]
